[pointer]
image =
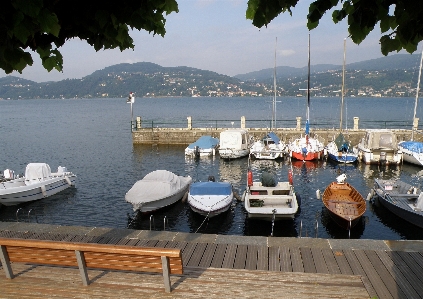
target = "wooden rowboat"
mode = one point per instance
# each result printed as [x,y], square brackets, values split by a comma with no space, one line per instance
[344,203]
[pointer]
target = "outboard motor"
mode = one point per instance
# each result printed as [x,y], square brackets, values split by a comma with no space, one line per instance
[211,178]
[382,159]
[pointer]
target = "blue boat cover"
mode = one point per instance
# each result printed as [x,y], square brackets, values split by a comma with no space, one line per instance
[205,142]
[413,146]
[210,188]
[275,138]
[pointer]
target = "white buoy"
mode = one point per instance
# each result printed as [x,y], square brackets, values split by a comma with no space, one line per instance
[318,194]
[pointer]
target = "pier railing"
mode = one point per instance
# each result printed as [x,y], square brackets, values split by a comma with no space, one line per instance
[250,123]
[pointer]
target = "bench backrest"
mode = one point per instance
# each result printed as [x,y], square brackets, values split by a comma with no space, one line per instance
[91,255]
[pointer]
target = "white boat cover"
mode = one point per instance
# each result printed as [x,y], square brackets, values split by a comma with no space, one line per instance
[412,146]
[36,172]
[154,186]
[205,142]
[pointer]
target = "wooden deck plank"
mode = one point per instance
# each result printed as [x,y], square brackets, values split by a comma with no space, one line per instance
[56,282]
[218,256]
[358,270]
[252,257]
[187,252]
[274,263]
[197,255]
[395,272]
[285,259]
[208,255]
[262,258]
[342,262]
[241,257]
[308,262]
[384,274]
[229,259]
[319,260]
[378,284]
[409,268]
[132,242]
[330,261]
[418,258]
[296,260]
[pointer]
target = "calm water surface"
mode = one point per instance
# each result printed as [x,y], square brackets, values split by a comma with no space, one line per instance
[92,139]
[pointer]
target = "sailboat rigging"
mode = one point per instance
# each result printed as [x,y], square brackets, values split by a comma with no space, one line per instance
[307,148]
[340,149]
[413,150]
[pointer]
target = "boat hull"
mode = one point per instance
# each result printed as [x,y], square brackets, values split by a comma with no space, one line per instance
[310,156]
[344,204]
[25,193]
[233,153]
[399,206]
[211,210]
[151,206]
[343,158]
[413,158]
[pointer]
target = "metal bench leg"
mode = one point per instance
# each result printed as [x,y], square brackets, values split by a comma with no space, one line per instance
[82,267]
[166,273]
[4,257]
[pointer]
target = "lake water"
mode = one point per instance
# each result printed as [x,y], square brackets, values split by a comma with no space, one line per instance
[92,138]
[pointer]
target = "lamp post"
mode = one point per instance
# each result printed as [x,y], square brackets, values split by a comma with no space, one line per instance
[131,100]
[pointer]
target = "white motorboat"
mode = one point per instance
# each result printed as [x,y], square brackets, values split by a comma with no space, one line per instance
[39,182]
[268,200]
[268,148]
[210,198]
[205,146]
[413,150]
[157,190]
[234,143]
[379,146]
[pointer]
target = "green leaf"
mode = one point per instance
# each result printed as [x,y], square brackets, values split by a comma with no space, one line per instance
[388,44]
[49,22]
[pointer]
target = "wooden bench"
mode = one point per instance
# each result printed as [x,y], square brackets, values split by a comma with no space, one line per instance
[91,255]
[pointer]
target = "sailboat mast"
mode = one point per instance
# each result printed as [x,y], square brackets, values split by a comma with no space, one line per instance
[308,82]
[274,90]
[417,96]
[343,84]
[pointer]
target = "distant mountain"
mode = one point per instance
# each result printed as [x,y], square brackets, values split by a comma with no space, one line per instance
[392,62]
[394,75]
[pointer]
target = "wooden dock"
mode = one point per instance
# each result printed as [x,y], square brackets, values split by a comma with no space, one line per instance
[230,266]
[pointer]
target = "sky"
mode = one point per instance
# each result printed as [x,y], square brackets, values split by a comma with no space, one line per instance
[215,35]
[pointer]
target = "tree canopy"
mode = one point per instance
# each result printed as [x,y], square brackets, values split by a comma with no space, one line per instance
[43,26]
[401,21]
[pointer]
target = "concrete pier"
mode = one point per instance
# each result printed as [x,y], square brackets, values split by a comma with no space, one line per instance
[188,134]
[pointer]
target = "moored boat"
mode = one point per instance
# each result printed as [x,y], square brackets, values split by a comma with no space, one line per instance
[379,146]
[269,147]
[268,199]
[307,148]
[234,143]
[210,198]
[158,189]
[402,199]
[340,150]
[204,146]
[39,182]
[345,204]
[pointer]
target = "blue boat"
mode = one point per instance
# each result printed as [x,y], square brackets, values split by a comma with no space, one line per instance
[204,146]
[341,151]
[412,151]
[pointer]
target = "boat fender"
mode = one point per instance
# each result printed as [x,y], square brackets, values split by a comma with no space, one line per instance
[236,196]
[184,198]
[290,178]
[68,180]
[250,178]
[43,190]
[325,152]
[318,194]
[369,196]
